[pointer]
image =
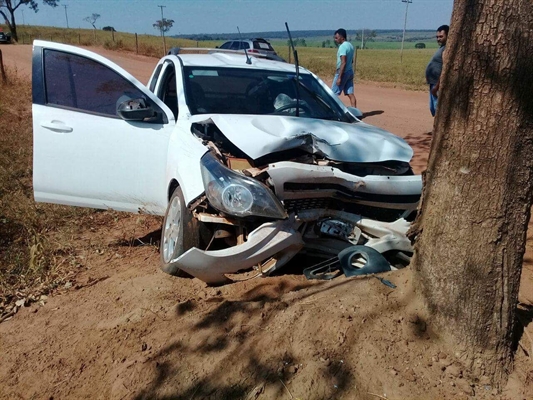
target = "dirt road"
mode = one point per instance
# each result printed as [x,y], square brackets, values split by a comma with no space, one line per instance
[122,329]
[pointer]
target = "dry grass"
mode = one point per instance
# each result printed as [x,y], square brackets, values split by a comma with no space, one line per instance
[150,45]
[372,65]
[32,260]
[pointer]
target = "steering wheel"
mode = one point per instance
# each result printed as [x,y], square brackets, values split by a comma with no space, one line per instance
[293,105]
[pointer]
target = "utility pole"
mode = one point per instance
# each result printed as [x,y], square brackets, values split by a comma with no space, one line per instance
[23,22]
[66,15]
[362,39]
[163,30]
[404,25]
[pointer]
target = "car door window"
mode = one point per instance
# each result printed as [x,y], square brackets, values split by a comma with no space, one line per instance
[77,82]
[168,90]
[239,45]
[226,45]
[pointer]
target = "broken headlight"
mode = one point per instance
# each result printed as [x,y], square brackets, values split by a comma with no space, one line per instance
[237,195]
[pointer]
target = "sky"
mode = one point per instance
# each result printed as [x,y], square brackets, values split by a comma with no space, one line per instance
[224,16]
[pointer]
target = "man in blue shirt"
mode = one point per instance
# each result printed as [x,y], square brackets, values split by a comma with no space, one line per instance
[343,80]
[434,68]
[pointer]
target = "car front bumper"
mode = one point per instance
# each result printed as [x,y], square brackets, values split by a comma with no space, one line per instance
[278,240]
[273,244]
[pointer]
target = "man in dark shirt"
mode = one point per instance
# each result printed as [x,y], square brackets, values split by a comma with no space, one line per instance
[434,68]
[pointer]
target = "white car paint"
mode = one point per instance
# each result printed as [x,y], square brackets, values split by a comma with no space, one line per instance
[85,159]
[99,162]
[259,135]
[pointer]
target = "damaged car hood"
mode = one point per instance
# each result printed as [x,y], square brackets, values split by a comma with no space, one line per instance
[259,135]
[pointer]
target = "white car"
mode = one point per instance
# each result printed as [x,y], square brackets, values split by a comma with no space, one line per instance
[248,165]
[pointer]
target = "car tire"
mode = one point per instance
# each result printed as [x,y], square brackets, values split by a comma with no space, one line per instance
[179,233]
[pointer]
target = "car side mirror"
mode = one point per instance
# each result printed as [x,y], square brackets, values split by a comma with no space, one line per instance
[135,110]
[355,112]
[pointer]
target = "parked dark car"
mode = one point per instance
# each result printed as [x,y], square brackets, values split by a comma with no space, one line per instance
[5,37]
[257,45]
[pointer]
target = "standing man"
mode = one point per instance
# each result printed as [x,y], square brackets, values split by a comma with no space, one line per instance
[434,68]
[343,80]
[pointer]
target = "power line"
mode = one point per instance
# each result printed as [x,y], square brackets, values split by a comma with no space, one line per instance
[404,26]
[66,15]
[163,30]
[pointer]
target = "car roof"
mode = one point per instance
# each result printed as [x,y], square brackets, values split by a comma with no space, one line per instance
[248,40]
[234,60]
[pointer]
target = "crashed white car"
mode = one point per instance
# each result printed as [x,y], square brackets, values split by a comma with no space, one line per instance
[248,164]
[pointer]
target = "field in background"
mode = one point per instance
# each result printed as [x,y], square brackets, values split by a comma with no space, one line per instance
[149,45]
[371,65]
[381,64]
[382,45]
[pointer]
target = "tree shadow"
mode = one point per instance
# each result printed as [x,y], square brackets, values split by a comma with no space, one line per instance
[237,323]
[524,314]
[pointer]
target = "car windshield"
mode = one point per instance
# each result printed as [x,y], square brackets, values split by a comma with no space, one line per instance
[262,92]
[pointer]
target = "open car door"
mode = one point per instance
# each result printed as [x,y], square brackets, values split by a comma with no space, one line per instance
[100,137]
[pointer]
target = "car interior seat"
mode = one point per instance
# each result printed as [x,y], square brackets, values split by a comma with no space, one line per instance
[170,96]
[197,100]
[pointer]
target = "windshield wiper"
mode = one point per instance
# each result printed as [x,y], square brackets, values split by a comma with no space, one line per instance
[296,64]
[321,100]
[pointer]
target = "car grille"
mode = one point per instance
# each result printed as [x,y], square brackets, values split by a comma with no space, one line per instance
[342,192]
[381,214]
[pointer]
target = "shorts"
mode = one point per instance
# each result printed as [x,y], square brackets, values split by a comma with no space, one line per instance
[346,84]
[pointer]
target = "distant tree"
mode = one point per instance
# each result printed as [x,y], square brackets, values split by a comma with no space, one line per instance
[109,28]
[92,20]
[8,8]
[163,25]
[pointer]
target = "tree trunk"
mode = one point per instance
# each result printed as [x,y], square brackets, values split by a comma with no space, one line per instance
[471,229]
[13,28]
[10,20]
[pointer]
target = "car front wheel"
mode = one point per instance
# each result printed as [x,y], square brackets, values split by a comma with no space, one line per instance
[179,233]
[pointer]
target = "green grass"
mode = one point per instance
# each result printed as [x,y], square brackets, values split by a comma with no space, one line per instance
[371,65]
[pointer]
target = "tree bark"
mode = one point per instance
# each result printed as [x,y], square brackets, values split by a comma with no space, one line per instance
[471,229]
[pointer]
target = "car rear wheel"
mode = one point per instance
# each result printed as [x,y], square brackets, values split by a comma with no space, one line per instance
[179,233]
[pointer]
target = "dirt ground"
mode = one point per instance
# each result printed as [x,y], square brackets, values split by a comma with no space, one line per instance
[123,329]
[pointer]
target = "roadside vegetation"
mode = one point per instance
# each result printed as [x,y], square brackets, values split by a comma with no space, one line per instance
[35,255]
[383,64]
[149,45]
